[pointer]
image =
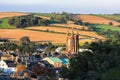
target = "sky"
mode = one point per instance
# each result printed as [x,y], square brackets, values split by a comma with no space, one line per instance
[71,6]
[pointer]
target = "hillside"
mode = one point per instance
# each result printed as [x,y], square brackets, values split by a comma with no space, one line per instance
[55,33]
[16,34]
[96,19]
[11,14]
[54,29]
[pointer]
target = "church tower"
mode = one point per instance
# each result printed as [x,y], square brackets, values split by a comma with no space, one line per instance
[72,42]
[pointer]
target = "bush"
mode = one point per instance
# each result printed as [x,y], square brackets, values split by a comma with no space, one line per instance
[110,23]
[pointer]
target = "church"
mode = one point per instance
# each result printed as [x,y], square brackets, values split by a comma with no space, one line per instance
[72,42]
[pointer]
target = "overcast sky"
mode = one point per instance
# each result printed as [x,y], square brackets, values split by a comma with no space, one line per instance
[73,6]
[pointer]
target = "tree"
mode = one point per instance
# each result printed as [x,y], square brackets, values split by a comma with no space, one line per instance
[42,71]
[25,39]
[92,65]
[63,20]
[64,72]
[20,68]
[27,20]
[110,23]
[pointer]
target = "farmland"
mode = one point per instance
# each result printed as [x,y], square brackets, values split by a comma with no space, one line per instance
[115,17]
[106,27]
[10,14]
[63,30]
[16,34]
[56,33]
[4,24]
[96,20]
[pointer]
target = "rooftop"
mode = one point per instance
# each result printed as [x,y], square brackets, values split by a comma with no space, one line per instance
[55,59]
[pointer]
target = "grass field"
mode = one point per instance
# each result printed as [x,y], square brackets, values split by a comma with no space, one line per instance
[106,27]
[4,24]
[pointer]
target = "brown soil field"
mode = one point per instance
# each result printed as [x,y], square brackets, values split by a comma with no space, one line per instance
[64,30]
[10,14]
[70,26]
[16,34]
[95,19]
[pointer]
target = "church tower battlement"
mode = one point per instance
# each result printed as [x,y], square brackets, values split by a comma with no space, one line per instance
[72,42]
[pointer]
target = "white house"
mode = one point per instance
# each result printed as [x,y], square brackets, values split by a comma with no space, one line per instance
[61,49]
[7,67]
[3,64]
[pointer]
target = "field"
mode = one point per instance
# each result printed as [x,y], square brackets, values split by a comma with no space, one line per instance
[10,14]
[48,14]
[96,20]
[106,27]
[84,34]
[115,17]
[4,24]
[16,34]
[55,33]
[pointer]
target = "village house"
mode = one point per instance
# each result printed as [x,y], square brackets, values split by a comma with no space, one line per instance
[7,66]
[57,62]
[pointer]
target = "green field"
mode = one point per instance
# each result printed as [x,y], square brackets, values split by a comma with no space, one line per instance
[112,74]
[106,27]
[4,24]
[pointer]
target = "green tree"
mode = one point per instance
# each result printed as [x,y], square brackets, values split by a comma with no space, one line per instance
[110,23]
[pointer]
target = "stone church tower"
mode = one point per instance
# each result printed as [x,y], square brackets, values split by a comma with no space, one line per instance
[72,42]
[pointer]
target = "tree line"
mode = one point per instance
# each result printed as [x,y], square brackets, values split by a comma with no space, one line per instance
[93,65]
[27,20]
[61,18]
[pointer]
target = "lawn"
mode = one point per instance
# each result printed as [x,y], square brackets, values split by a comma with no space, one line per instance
[106,27]
[4,24]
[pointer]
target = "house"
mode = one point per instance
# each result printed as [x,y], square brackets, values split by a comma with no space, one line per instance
[7,66]
[3,64]
[40,48]
[23,75]
[11,65]
[7,57]
[60,49]
[83,50]
[57,62]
